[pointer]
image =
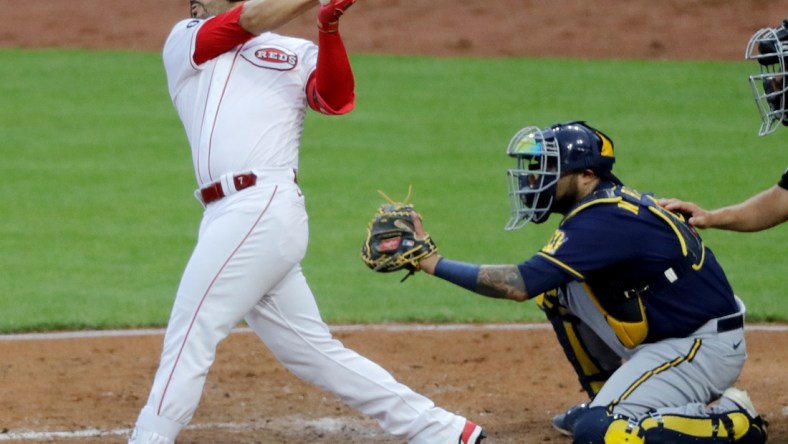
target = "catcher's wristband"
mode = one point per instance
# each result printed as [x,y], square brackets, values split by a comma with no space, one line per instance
[458,273]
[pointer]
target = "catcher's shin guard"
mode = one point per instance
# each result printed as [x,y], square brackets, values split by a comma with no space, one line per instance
[728,428]
[598,426]
[623,431]
[592,360]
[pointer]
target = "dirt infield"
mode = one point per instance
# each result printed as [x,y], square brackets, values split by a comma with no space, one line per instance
[511,380]
[644,29]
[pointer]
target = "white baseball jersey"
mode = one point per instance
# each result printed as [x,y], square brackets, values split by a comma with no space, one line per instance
[264,80]
[243,110]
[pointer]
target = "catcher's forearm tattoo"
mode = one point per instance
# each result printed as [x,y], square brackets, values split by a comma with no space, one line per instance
[495,281]
[501,281]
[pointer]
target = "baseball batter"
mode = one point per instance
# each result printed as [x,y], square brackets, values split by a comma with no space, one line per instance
[641,306]
[241,92]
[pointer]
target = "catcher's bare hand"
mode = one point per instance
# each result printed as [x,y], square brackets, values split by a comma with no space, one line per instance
[427,264]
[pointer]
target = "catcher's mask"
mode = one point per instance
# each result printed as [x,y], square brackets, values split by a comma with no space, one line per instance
[542,156]
[769,46]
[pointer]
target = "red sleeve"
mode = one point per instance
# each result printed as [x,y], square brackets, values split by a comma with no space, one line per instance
[331,88]
[220,34]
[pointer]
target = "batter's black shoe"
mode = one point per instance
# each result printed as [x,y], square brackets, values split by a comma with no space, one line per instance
[565,422]
[472,434]
[756,433]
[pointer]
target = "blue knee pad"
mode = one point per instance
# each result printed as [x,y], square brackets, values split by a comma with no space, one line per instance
[591,426]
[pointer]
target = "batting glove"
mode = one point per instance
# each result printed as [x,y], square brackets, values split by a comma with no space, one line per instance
[329,14]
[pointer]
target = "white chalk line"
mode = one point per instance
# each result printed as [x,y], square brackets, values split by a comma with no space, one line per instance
[335,328]
[43,436]
[326,424]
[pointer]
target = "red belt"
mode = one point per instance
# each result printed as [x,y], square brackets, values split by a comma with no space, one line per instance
[214,192]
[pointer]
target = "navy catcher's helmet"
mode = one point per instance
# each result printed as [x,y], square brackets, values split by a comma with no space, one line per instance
[542,156]
[769,46]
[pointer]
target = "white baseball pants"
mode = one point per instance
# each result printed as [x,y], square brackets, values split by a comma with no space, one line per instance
[246,265]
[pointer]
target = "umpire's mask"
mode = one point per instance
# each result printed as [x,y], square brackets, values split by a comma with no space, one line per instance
[769,46]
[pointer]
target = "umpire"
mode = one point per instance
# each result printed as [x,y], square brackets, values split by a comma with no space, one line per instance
[769,208]
[640,305]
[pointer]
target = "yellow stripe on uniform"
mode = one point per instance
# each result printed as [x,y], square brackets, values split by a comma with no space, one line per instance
[673,227]
[576,273]
[668,365]
[663,214]
[632,208]
[593,202]
[694,351]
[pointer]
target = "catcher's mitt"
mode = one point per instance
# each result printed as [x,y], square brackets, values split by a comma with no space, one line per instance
[391,242]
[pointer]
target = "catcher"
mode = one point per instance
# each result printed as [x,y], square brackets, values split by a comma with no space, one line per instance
[643,310]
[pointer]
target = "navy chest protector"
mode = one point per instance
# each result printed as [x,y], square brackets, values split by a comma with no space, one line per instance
[620,297]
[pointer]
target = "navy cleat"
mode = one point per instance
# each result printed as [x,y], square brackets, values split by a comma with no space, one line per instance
[565,422]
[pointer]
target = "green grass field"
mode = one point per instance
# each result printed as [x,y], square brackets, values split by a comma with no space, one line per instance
[98,217]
